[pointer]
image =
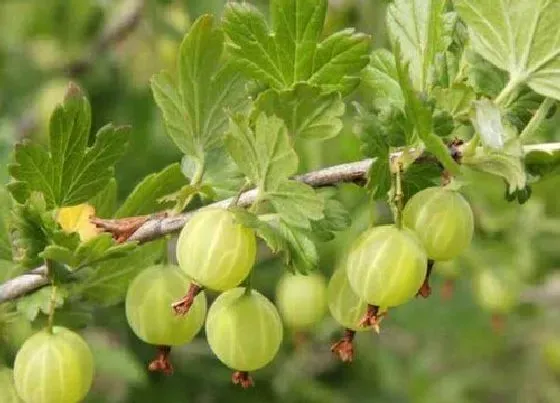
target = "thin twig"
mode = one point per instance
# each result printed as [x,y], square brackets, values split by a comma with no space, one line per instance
[353,172]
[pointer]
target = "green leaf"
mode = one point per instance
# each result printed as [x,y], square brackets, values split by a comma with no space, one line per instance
[105,202]
[487,121]
[290,52]
[106,283]
[421,116]
[307,112]
[70,172]
[457,100]
[380,80]
[517,36]
[542,162]
[101,248]
[264,230]
[194,106]
[144,198]
[379,177]
[485,78]
[417,26]
[39,301]
[339,60]
[506,163]
[418,177]
[301,253]
[29,233]
[264,154]
[336,218]
[5,243]
[9,269]
[296,203]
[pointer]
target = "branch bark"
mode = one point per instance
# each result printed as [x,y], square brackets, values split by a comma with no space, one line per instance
[159,227]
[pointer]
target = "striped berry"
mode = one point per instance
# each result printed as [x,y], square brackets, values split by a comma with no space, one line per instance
[53,367]
[443,220]
[386,266]
[345,306]
[244,330]
[215,251]
[301,299]
[148,307]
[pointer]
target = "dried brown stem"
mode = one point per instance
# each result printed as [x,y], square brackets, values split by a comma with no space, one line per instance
[425,290]
[372,318]
[344,348]
[183,306]
[161,363]
[447,289]
[122,228]
[242,378]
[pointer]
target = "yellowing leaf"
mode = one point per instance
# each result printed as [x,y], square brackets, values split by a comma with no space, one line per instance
[76,219]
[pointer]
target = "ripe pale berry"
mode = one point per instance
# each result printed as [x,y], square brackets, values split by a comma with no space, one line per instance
[301,299]
[494,292]
[244,330]
[215,251]
[443,220]
[386,266]
[148,307]
[54,367]
[345,306]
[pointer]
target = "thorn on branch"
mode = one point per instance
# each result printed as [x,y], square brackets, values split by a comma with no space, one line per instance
[344,348]
[123,228]
[425,290]
[242,378]
[183,306]
[161,363]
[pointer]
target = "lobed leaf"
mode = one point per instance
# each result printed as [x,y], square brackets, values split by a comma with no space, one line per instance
[307,112]
[296,203]
[289,52]
[70,172]
[264,153]
[517,36]
[145,197]
[194,105]
[417,26]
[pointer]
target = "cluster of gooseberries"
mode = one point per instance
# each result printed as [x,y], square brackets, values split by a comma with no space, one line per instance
[166,306]
[385,267]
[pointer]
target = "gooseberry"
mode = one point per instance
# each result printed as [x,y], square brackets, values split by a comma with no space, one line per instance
[53,367]
[215,251]
[443,220]
[148,307]
[244,331]
[386,266]
[301,299]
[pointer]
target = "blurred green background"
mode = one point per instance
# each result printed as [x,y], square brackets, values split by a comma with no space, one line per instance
[464,347]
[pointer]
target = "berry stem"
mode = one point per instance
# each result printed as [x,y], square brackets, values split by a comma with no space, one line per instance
[246,186]
[52,299]
[399,196]
[425,290]
[249,285]
[162,363]
[447,289]
[372,318]
[344,348]
[183,306]
[242,378]
[52,308]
